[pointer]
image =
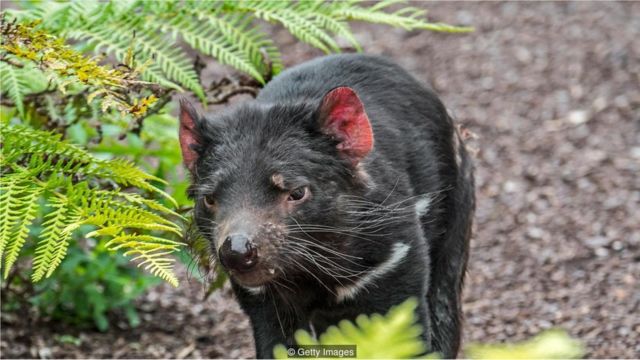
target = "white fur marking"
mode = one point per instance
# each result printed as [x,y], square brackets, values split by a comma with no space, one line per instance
[398,252]
[422,206]
[255,290]
[313,331]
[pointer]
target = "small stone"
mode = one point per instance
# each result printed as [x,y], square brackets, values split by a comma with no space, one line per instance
[577,117]
[535,233]
[510,186]
[623,331]
[599,104]
[523,55]
[596,242]
[620,294]
[601,252]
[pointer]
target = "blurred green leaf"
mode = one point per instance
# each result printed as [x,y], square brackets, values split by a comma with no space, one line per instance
[395,335]
[68,339]
[551,344]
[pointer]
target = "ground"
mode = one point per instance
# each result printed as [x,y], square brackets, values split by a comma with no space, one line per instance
[551,91]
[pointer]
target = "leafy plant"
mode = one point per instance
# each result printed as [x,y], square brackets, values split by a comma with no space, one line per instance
[37,164]
[225,30]
[551,344]
[19,81]
[197,256]
[393,336]
[23,43]
[89,285]
[397,336]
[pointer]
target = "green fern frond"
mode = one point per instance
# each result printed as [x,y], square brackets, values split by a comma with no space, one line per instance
[117,37]
[141,243]
[212,43]
[126,173]
[15,84]
[9,202]
[18,138]
[154,74]
[150,252]
[67,68]
[338,27]
[24,212]
[172,60]
[299,23]
[102,38]
[395,335]
[239,29]
[408,18]
[551,344]
[54,238]
[122,171]
[114,29]
[105,207]
[316,11]
[152,204]
[157,263]
[39,168]
[225,30]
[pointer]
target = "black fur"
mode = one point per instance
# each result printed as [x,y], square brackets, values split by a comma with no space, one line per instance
[370,207]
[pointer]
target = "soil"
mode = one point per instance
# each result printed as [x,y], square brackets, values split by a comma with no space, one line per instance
[551,92]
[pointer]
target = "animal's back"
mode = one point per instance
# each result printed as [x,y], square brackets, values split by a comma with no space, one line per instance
[383,86]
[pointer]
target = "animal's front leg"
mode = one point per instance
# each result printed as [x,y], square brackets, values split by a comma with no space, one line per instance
[272,321]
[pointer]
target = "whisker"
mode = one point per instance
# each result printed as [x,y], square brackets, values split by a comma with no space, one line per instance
[333,269]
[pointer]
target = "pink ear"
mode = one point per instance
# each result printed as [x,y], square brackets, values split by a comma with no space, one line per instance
[188,134]
[342,116]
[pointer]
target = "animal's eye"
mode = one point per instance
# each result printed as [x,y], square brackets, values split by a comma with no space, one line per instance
[298,194]
[210,201]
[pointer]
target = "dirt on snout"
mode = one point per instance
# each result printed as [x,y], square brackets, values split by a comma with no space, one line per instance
[551,93]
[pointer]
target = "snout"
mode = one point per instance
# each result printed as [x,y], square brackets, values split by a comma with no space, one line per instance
[249,249]
[238,253]
[248,263]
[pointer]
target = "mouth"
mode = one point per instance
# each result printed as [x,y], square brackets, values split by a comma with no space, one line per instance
[257,276]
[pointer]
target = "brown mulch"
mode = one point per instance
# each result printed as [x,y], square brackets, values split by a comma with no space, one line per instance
[552,92]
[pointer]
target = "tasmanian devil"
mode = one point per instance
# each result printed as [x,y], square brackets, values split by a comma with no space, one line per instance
[342,189]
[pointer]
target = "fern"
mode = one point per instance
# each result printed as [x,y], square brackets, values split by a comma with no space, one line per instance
[393,336]
[16,84]
[224,30]
[24,45]
[214,44]
[39,166]
[253,44]
[408,18]
[54,239]
[551,344]
[397,336]
[18,204]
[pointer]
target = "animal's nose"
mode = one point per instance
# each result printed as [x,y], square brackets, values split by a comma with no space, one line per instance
[237,253]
